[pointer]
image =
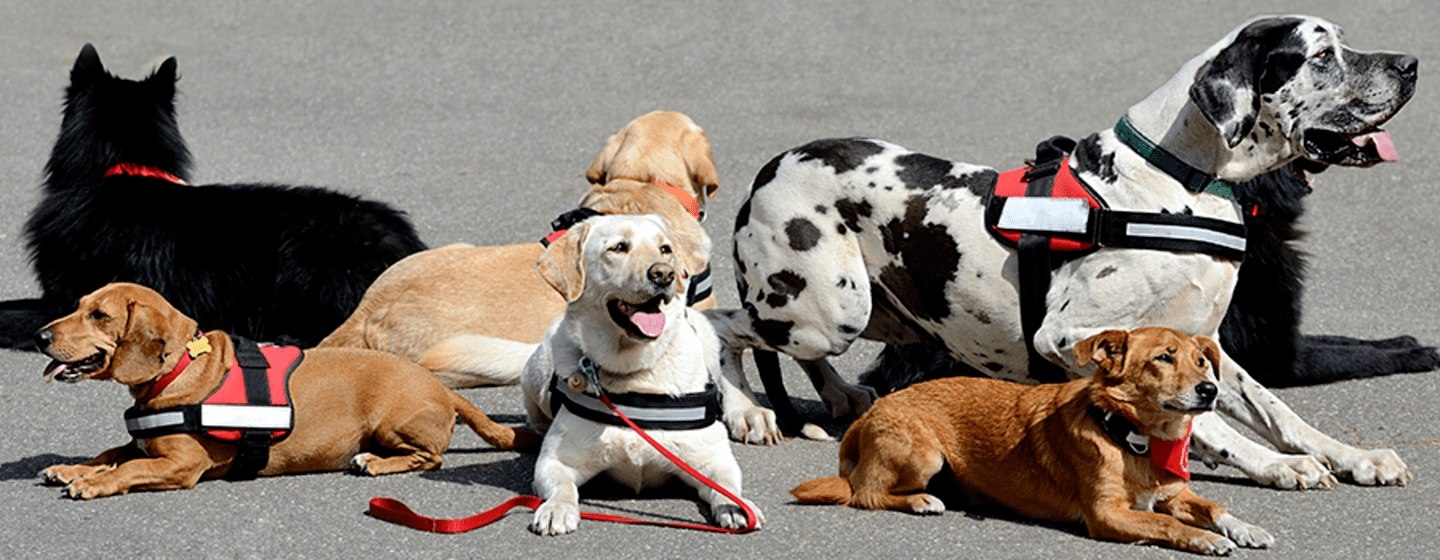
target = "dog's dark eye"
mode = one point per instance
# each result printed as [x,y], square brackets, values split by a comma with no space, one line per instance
[665,249]
[98,315]
[1200,362]
[1165,359]
[621,247]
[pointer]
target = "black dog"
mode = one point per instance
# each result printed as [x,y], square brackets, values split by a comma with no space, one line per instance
[1261,328]
[266,262]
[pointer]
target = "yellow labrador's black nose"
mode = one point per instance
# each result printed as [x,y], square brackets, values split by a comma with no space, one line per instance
[661,274]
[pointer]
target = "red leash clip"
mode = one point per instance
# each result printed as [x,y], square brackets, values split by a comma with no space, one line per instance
[392,510]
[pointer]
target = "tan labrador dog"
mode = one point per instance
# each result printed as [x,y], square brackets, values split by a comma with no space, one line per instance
[425,306]
[371,412]
[1078,451]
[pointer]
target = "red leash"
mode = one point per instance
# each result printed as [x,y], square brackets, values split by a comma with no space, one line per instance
[392,510]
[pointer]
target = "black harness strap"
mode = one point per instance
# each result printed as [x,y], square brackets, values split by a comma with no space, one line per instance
[1035,263]
[253,448]
[690,411]
[1121,431]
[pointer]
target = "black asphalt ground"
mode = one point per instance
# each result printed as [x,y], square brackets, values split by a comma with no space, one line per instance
[479,119]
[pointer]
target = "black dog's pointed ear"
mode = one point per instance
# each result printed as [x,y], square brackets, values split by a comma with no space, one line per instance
[166,74]
[87,64]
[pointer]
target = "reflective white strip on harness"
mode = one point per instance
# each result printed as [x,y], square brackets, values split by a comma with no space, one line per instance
[690,414]
[1185,233]
[230,416]
[245,416]
[1066,215]
[150,422]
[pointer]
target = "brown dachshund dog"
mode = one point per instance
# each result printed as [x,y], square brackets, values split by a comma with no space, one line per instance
[371,412]
[425,306]
[1078,451]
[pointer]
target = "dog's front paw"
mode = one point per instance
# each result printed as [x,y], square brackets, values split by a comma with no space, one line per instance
[1296,472]
[1374,467]
[753,425]
[731,516]
[555,518]
[846,400]
[360,464]
[1212,544]
[60,475]
[90,488]
[1244,534]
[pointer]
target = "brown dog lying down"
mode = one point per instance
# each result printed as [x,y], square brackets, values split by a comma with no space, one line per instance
[372,412]
[425,306]
[1043,451]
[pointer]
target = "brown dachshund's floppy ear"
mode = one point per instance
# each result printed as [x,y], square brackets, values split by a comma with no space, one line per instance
[562,265]
[701,163]
[1211,350]
[597,173]
[1106,349]
[153,331]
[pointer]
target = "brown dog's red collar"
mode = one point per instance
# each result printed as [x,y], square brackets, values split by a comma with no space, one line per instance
[199,346]
[137,170]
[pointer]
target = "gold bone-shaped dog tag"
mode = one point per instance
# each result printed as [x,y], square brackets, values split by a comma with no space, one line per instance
[198,347]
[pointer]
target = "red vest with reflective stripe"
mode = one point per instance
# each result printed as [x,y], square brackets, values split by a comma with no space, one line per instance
[231,391]
[1011,184]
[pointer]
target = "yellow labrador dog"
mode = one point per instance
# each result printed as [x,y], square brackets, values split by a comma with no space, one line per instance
[426,306]
[625,329]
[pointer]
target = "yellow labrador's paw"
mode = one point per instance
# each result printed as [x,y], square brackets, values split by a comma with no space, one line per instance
[555,517]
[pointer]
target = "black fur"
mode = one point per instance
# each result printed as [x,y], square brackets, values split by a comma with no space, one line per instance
[1261,328]
[266,262]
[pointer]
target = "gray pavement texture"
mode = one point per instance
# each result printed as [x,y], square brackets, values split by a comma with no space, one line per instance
[479,119]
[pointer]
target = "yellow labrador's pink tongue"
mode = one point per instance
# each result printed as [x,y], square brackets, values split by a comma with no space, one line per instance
[1383,145]
[652,324]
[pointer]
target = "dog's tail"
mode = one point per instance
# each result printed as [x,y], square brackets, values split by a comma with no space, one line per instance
[472,360]
[832,490]
[502,437]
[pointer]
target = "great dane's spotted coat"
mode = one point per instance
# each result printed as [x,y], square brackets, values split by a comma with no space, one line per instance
[842,239]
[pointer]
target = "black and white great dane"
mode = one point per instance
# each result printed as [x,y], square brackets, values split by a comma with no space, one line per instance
[850,238]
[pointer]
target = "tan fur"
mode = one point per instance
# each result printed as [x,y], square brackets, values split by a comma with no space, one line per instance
[347,402]
[1037,451]
[429,297]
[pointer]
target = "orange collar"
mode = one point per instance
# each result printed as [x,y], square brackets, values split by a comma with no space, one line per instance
[137,170]
[681,194]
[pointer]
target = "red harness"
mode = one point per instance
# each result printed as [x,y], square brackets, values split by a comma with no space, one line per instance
[1012,184]
[249,409]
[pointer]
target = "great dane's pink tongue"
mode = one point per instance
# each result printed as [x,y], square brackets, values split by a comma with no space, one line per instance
[652,324]
[1383,145]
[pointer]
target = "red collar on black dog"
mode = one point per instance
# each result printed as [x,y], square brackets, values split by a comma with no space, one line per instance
[137,170]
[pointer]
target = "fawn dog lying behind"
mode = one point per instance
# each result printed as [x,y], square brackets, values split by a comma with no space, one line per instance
[1055,452]
[373,412]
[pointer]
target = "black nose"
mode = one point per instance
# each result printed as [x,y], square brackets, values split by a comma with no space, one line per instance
[1206,391]
[43,338]
[661,274]
[1405,65]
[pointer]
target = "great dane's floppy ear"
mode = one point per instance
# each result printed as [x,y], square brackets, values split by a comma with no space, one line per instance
[1106,349]
[1211,350]
[562,265]
[1228,88]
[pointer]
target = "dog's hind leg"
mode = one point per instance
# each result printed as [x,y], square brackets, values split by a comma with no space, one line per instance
[420,439]
[1260,410]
